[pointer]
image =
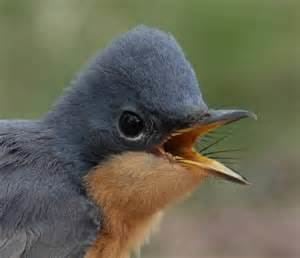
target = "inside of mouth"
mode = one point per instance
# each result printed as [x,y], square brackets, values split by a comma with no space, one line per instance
[180,147]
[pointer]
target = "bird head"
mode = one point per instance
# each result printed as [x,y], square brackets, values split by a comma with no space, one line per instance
[141,94]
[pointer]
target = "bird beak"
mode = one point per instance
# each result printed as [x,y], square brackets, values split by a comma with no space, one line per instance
[180,144]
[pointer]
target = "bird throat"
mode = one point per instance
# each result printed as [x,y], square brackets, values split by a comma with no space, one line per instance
[132,191]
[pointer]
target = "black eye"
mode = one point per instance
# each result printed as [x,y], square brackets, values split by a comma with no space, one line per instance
[131,125]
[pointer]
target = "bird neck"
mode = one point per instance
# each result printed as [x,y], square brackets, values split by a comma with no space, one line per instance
[69,119]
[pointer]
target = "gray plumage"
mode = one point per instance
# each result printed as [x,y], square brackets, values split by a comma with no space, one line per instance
[44,210]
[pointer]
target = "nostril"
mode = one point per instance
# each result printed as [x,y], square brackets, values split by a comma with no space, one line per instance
[206,115]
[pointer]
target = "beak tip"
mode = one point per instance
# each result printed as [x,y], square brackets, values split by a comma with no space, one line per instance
[247,183]
[247,114]
[253,115]
[244,181]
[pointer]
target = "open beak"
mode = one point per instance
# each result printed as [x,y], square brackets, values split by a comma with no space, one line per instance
[180,144]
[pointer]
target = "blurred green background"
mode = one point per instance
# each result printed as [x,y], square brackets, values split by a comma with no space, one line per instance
[246,54]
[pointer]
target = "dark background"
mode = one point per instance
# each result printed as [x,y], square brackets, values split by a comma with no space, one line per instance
[246,54]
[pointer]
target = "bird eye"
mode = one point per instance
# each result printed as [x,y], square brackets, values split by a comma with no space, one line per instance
[131,125]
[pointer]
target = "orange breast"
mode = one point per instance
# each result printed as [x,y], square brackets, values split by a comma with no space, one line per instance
[132,190]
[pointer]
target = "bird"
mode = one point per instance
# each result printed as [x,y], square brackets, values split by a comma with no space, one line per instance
[92,177]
